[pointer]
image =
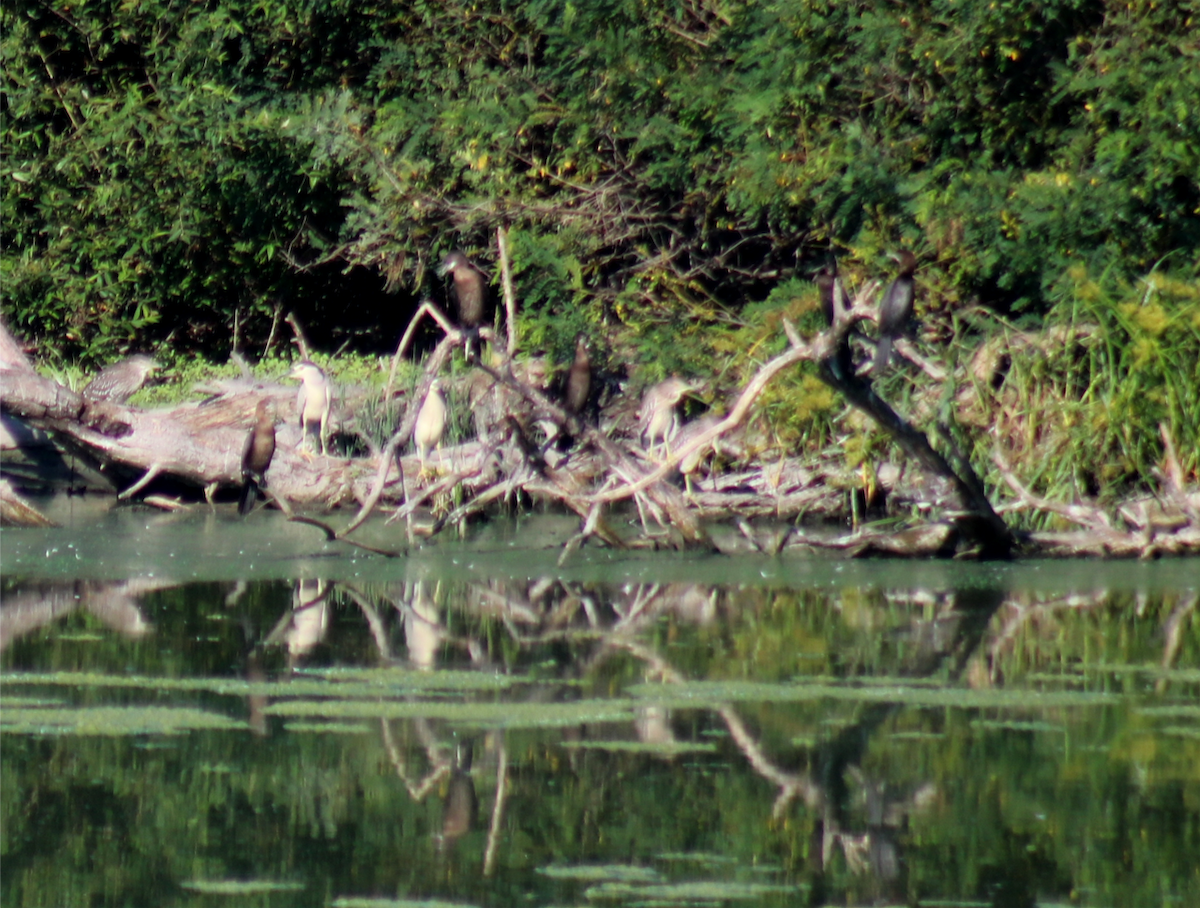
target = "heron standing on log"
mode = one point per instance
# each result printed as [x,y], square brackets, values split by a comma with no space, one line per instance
[658,418]
[470,291]
[431,422]
[313,402]
[257,454]
[120,381]
[895,309]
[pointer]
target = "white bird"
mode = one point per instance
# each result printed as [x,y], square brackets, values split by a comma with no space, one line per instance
[313,402]
[431,422]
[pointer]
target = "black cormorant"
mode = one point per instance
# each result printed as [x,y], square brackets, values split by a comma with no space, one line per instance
[257,454]
[895,309]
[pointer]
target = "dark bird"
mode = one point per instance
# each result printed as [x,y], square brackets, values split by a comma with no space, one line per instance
[313,402]
[257,454]
[895,309]
[118,382]
[470,291]
[461,804]
[579,379]
[841,363]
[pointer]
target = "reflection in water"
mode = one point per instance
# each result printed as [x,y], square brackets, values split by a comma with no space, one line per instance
[824,747]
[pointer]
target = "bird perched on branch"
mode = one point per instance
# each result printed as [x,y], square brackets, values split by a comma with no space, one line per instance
[578,386]
[120,381]
[313,402]
[841,363]
[431,422]
[658,419]
[895,309]
[257,454]
[470,291]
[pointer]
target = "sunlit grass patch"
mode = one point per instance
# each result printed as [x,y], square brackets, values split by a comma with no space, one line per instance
[360,902]
[341,728]
[240,887]
[699,891]
[624,873]
[642,747]
[491,715]
[695,693]
[113,720]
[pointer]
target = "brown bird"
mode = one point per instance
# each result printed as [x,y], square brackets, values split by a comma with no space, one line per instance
[895,309]
[431,422]
[118,382]
[313,402]
[470,291]
[579,379]
[257,454]
[658,419]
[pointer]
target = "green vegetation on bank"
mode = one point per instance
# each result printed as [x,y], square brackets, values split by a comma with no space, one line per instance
[669,177]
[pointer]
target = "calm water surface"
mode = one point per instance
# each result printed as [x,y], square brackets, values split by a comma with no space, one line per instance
[197,710]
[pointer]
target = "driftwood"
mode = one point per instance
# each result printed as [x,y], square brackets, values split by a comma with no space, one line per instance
[198,445]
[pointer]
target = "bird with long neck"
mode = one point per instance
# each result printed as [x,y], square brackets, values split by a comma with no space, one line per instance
[895,309]
[469,289]
[256,455]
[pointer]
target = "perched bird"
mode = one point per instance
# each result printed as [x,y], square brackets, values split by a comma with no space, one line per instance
[313,402]
[658,420]
[895,309]
[579,379]
[431,422]
[257,454]
[118,382]
[841,363]
[470,292]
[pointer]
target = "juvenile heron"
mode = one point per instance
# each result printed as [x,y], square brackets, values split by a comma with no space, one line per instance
[691,463]
[895,309]
[118,382]
[313,402]
[257,454]
[470,291]
[658,420]
[431,422]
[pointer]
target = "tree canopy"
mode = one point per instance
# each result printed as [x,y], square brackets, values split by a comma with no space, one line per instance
[657,165]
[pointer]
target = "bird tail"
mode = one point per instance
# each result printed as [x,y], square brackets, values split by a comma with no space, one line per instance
[471,344]
[883,354]
[249,496]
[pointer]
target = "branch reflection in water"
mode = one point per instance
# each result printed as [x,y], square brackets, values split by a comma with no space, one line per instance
[561,729]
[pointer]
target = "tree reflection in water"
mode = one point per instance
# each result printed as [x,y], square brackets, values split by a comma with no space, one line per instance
[550,723]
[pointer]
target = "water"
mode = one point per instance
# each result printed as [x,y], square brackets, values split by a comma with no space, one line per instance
[197,710]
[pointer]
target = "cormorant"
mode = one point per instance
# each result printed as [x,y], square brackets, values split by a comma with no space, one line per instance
[257,454]
[470,292]
[313,402]
[841,363]
[118,382]
[431,422]
[895,309]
